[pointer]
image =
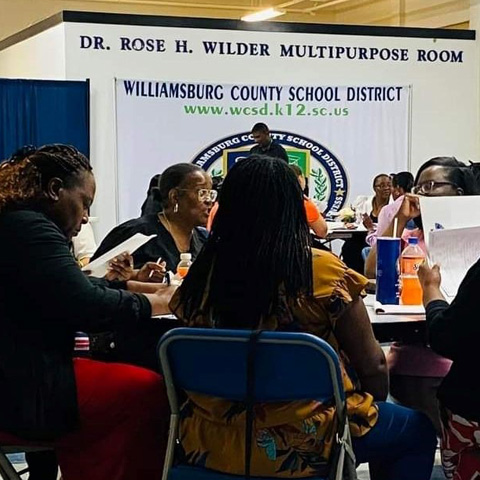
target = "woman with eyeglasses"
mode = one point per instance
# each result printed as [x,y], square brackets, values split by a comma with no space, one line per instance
[367,209]
[415,370]
[186,197]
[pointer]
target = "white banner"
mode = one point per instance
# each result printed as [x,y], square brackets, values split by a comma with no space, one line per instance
[341,136]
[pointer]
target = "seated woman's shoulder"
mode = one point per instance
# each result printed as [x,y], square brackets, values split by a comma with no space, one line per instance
[326,258]
[24,218]
[147,224]
[150,219]
[331,274]
[21,227]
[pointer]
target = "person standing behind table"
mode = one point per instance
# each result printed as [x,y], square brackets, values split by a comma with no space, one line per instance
[239,281]
[453,331]
[415,370]
[186,197]
[265,145]
[103,420]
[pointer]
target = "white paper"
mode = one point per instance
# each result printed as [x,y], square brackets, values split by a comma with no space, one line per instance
[455,251]
[439,213]
[399,309]
[99,266]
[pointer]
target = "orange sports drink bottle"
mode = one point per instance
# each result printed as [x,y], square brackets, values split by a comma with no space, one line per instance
[411,258]
[184,264]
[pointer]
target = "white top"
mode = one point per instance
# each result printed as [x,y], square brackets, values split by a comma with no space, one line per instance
[84,245]
[363,204]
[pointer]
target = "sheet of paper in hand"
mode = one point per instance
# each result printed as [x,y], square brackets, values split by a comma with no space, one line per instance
[443,213]
[99,266]
[455,251]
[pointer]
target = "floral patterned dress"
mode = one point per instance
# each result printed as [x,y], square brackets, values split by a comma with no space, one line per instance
[292,439]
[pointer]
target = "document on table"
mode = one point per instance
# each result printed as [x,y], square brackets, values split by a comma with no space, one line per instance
[455,251]
[441,213]
[399,309]
[99,266]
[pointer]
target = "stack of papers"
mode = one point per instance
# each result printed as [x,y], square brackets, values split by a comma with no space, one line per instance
[452,234]
[455,251]
[443,213]
[99,266]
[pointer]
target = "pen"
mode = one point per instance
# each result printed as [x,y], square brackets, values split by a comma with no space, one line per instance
[150,275]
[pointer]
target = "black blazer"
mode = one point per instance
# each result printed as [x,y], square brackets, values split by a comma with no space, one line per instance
[454,332]
[44,300]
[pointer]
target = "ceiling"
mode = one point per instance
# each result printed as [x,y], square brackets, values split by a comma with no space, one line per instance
[19,14]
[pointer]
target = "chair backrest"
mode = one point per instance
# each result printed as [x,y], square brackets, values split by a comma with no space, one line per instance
[288,366]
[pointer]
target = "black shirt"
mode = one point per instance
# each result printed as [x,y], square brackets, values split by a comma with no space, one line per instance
[44,299]
[273,149]
[162,245]
[454,332]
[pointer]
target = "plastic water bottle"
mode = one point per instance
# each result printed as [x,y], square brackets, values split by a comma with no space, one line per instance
[411,258]
[184,264]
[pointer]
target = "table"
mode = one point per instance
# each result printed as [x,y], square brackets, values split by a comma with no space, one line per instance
[337,230]
[396,328]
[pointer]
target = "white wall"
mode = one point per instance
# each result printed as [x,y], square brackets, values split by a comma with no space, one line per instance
[39,57]
[445,118]
[445,113]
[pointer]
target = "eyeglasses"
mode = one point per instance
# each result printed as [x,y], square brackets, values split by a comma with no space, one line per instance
[204,194]
[428,187]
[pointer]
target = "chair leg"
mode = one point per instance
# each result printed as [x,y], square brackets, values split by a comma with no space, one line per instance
[7,471]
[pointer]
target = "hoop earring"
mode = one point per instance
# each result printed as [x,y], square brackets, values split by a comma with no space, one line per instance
[175,208]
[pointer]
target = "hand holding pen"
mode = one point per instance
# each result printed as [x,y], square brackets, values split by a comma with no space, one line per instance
[153,271]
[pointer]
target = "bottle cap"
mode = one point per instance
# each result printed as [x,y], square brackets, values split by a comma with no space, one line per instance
[413,241]
[185,256]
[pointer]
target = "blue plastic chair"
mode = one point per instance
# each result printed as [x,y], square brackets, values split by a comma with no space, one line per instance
[288,367]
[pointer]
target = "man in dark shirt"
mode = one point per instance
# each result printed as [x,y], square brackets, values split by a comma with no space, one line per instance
[265,145]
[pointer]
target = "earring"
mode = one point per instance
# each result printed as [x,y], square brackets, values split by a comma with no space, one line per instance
[175,208]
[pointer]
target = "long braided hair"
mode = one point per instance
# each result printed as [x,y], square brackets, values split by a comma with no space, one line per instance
[258,250]
[25,175]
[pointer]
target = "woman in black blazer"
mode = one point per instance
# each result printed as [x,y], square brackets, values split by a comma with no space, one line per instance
[105,421]
[453,331]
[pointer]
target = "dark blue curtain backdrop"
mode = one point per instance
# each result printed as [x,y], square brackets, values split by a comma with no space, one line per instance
[36,112]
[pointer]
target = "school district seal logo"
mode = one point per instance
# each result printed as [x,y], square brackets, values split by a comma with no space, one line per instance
[328,183]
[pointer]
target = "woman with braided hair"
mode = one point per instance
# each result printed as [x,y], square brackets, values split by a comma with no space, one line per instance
[105,421]
[257,271]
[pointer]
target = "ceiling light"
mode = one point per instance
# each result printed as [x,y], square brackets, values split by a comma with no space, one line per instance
[262,15]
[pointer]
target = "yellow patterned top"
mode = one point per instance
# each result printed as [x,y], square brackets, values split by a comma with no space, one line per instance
[290,439]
